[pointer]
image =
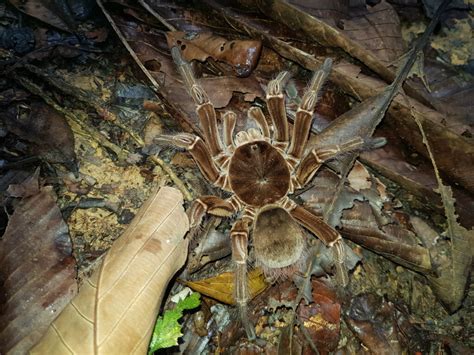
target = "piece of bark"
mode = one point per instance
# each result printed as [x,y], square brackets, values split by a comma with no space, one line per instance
[116,308]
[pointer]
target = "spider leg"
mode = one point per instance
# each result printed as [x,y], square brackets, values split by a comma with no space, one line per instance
[199,151]
[213,205]
[257,115]
[229,125]
[327,234]
[204,108]
[313,160]
[276,108]
[239,235]
[304,113]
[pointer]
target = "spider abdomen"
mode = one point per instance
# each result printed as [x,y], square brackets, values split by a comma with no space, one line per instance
[258,174]
[277,239]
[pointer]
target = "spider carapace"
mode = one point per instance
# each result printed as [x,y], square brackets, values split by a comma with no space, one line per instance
[260,168]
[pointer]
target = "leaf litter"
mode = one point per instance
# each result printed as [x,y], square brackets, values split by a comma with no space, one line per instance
[370,205]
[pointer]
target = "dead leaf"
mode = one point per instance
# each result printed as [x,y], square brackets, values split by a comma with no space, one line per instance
[38,271]
[365,223]
[377,29]
[221,287]
[228,86]
[117,307]
[322,317]
[242,55]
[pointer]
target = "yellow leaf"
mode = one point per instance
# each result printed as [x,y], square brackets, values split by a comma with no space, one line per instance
[221,287]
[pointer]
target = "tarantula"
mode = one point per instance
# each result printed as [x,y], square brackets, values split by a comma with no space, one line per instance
[260,168]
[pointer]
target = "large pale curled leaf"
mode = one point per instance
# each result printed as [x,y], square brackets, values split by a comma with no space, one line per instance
[116,308]
[37,272]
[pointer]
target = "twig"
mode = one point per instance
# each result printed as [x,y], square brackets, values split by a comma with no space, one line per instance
[176,180]
[145,71]
[157,16]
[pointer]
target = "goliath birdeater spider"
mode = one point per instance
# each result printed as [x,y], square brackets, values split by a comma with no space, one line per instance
[260,168]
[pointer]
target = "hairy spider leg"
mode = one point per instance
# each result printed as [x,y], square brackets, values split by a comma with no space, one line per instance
[304,113]
[204,108]
[239,236]
[276,107]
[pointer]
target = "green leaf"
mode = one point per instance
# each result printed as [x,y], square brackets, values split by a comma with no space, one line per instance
[167,329]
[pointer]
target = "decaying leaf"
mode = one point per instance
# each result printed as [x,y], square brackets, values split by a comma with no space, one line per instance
[117,307]
[37,271]
[221,287]
[213,245]
[242,55]
[320,318]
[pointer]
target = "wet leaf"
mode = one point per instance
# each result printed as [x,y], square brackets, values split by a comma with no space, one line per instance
[38,271]
[221,287]
[242,55]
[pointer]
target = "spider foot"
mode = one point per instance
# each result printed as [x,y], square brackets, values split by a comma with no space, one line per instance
[342,276]
[246,323]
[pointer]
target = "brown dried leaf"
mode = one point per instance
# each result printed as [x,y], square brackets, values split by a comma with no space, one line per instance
[322,317]
[117,307]
[38,271]
[221,287]
[212,246]
[227,86]
[242,55]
